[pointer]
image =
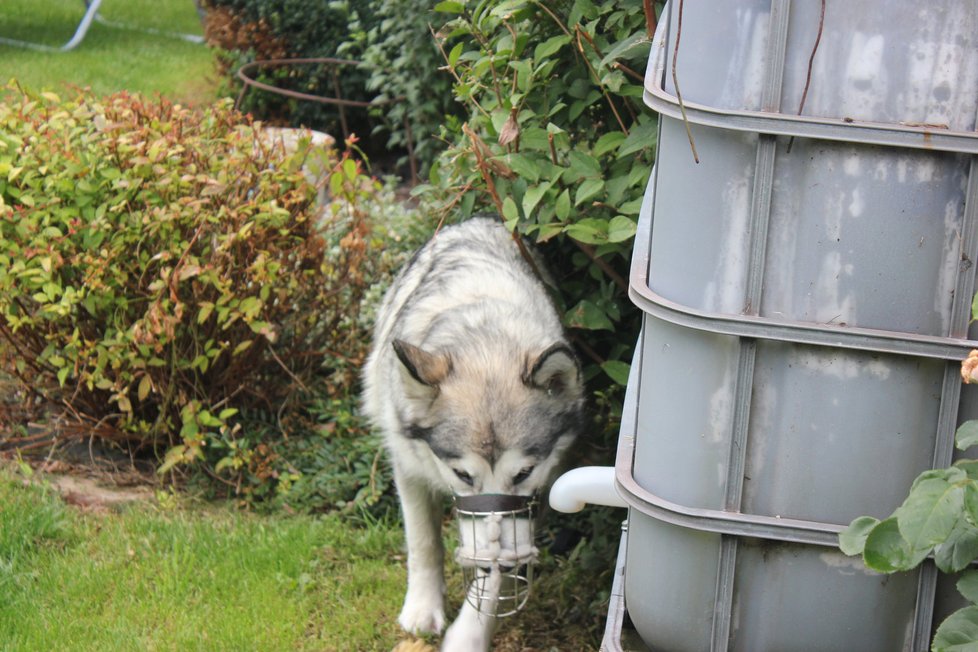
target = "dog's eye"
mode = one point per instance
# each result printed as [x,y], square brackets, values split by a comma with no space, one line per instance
[523,474]
[464,477]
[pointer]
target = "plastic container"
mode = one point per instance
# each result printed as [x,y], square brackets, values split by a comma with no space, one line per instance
[807,288]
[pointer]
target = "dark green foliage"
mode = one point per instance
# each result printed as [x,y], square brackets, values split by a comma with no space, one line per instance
[167,280]
[404,62]
[556,140]
[249,30]
[399,67]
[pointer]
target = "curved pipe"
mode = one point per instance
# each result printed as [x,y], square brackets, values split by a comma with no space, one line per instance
[588,484]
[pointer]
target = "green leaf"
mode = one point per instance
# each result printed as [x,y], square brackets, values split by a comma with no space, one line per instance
[968,585]
[563,205]
[974,307]
[510,212]
[640,137]
[971,500]
[635,46]
[584,165]
[533,196]
[173,457]
[589,316]
[63,375]
[966,435]
[927,516]
[617,371]
[206,308]
[250,307]
[621,228]
[550,46]
[970,467]
[608,142]
[454,54]
[350,169]
[450,7]
[887,551]
[145,385]
[590,230]
[588,189]
[959,549]
[852,540]
[242,346]
[524,166]
[205,418]
[223,463]
[958,632]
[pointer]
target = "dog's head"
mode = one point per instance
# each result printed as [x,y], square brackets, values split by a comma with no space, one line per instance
[496,418]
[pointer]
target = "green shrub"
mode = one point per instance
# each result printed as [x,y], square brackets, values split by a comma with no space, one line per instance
[341,464]
[557,141]
[391,38]
[250,30]
[165,279]
[404,61]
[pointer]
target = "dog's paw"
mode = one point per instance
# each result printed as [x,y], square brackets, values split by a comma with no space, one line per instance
[423,615]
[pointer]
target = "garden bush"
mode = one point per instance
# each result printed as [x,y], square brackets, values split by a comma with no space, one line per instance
[250,30]
[391,39]
[167,281]
[556,140]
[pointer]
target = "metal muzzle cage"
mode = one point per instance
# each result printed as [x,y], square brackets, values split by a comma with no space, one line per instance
[496,551]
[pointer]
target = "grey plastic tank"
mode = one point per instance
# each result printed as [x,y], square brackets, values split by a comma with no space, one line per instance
[807,288]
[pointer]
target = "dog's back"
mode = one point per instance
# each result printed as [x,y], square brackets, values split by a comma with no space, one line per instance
[469,274]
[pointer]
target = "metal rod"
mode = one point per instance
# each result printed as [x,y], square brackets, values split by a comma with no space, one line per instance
[244,71]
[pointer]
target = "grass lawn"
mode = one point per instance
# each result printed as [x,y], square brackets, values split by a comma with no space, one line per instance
[110,59]
[175,574]
[180,578]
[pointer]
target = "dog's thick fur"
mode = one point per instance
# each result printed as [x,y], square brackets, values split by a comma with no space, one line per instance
[475,389]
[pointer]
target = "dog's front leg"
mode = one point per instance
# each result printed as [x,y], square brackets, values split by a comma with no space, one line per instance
[424,604]
[472,630]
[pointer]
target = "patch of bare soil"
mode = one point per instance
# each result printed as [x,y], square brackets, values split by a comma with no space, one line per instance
[90,494]
[93,478]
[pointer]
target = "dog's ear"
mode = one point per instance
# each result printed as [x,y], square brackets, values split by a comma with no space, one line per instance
[426,369]
[555,370]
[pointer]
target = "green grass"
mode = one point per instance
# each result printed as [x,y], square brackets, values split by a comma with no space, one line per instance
[110,59]
[184,576]
[209,578]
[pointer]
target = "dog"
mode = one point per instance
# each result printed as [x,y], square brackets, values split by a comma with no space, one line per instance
[476,390]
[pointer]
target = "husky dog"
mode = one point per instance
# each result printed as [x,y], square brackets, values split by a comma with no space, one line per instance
[476,391]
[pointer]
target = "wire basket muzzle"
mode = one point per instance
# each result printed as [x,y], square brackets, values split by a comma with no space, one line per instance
[496,551]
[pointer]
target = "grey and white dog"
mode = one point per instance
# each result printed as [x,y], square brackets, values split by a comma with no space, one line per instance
[476,391]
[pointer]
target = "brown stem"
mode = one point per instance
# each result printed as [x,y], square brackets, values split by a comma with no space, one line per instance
[594,76]
[480,161]
[650,22]
[811,62]
[586,349]
[675,81]
[603,265]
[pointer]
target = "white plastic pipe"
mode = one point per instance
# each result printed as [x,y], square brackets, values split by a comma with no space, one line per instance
[588,484]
